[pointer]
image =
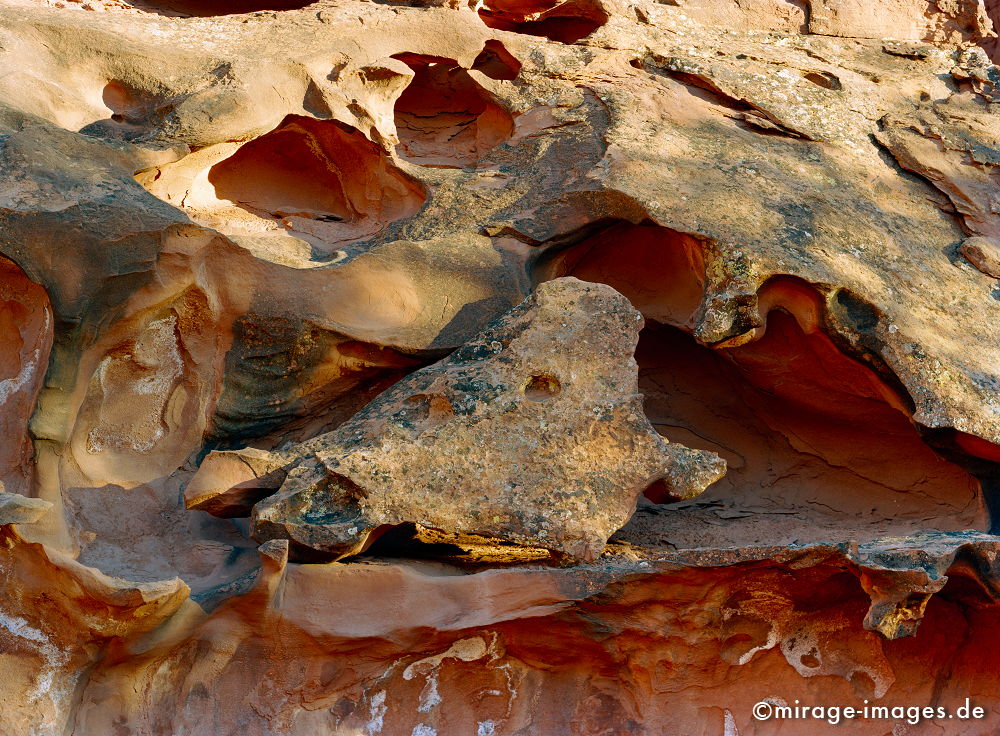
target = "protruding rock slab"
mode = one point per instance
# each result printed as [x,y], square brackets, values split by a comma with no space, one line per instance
[533,432]
[18,509]
[230,482]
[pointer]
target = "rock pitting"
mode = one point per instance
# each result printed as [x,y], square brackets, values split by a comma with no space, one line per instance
[532,432]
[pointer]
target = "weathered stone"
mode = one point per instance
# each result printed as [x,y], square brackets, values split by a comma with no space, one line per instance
[229,483]
[533,432]
[236,223]
[948,21]
[984,254]
[18,509]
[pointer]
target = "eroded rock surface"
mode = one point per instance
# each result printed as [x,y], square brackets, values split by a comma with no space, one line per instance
[984,254]
[533,432]
[248,253]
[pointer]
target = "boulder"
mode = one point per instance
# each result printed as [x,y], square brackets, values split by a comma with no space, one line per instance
[533,433]
[983,253]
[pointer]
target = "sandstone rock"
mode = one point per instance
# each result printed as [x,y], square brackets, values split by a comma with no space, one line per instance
[533,433]
[27,327]
[18,509]
[56,614]
[984,254]
[788,618]
[902,19]
[228,227]
[229,483]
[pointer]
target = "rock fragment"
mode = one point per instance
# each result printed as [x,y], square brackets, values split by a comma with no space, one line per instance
[984,254]
[18,509]
[230,482]
[533,432]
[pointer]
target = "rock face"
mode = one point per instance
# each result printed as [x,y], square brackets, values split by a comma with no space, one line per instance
[361,364]
[26,319]
[532,432]
[984,254]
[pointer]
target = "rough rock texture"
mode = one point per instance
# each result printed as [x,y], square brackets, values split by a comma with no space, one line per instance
[532,432]
[983,253]
[233,233]
[18,509]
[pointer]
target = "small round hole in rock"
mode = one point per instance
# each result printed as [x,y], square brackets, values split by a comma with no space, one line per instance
[809,660]
[541,387]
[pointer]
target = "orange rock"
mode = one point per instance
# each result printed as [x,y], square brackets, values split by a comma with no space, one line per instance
[233,235]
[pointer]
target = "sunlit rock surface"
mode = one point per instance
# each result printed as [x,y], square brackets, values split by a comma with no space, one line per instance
[234,233]
[532,432]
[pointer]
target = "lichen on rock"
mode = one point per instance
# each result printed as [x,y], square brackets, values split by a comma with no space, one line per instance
[532,432]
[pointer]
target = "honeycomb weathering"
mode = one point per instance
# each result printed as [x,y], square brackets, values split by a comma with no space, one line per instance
[321,179]
[554,368]
[565,22]
[445,118]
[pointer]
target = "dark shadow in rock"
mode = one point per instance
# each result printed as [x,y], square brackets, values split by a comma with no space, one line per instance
[409,541]
[133,113]
[814,449]
[211,8]
[566,22]
[496,62]
[294,379]
[811,436]
[445,118]
[401,541]
[469,320]
[210,598]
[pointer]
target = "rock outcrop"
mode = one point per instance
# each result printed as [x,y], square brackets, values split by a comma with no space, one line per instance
[369,367]
[983,253]
[532,432]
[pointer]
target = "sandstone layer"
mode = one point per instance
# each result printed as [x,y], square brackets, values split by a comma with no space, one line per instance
[361,363]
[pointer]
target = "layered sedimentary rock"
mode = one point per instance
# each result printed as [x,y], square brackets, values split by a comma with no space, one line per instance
[234,236]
